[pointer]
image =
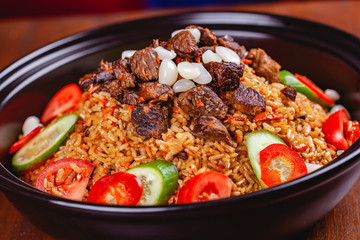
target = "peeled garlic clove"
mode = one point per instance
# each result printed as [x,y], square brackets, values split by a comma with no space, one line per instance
[338,107]
[176,32]
[127,54]
[164,53]
[168,72]
[204,77]
[333,94]
[210,56]
[30,124]
[312,167]
[183,85]
[227,54]
[194,31]
[187,70]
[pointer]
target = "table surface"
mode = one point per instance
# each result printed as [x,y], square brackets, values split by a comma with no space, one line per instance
[19,36]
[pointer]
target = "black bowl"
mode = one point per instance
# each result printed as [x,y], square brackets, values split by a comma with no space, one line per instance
[330,56]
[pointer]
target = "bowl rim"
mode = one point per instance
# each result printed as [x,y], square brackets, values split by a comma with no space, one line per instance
[10,182]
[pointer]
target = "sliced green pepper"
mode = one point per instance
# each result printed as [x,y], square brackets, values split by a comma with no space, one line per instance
[308,88]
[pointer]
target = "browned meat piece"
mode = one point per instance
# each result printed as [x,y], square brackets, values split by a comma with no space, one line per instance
[155,92]
[151,120]
[113,87]
[156,43]
[112,77]
[201,100]
[184,45]
[264,65]
[207,38]
[289,92]
[122,72]
[226,75]
[204,49]
[182,155]
[103,77]
[145,65]
[228,41]
[86,82]
[130,98]
[245,99]
[210,128]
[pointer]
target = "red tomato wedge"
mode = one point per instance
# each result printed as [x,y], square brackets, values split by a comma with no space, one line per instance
[117,189]
[17,145]
[205,186]
[352,132]
[310,84]
[64,100]
[66,178]
[333,128]
[279,164]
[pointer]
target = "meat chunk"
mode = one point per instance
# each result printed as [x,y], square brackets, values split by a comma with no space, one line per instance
[86,82]
[151,120]
[211,128]
[200,101]
[207,37]
[264,65]
[155,92]
[144,64]
[228,41]
[182,155]
[122,72]
[130,98]
[112,77]
[289,92]
[204,49]
[157,43]
[114,88]
[226,75]
[245,99]
[184,45]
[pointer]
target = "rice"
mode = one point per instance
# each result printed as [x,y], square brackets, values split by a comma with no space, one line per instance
[105,136]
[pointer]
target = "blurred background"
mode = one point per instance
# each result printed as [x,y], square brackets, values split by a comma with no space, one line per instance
[25,8]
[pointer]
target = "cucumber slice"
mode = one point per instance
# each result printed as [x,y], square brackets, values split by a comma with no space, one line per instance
[255,142]
[44,144]
[159,178]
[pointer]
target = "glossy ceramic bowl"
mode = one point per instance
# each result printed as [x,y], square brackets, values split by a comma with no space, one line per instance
[330,56]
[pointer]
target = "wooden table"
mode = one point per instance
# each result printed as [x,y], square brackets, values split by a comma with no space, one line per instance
[20,36]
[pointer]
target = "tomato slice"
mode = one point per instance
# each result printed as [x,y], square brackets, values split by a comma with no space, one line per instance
[205,186]
[117,189]
[279,164]
[333,128]
[64,100]
[310,84]
[66,178]
[352,132]
[17,145]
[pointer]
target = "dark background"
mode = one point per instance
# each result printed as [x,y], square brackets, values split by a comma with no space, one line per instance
[26,8]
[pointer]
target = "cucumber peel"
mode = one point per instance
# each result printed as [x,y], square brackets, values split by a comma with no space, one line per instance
[255,142]
[44,144]
[159,178]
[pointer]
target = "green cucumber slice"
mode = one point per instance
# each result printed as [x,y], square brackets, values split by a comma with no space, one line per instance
[159,178]
[287,78]
[44,144]
[255,142]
